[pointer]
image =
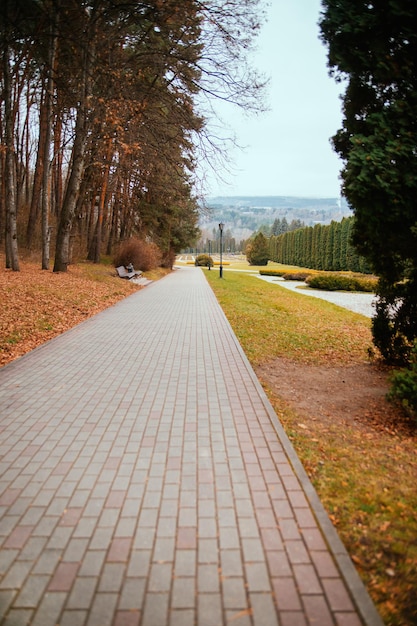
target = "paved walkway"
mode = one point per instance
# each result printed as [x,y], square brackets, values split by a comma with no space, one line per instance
[362,303]
[145,480]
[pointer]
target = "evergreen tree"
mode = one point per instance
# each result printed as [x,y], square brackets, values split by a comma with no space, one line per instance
[257,251]
[373,47]
[276,227]
[337,265]
[329,247]
[344,241]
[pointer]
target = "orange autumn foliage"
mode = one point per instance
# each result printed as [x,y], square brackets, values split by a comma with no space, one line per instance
[37,305]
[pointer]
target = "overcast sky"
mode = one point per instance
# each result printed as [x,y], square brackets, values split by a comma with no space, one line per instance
[288,151]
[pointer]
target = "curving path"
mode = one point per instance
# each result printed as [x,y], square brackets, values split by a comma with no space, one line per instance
[362,303]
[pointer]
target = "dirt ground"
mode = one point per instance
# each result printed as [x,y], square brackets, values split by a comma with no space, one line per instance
[354,393]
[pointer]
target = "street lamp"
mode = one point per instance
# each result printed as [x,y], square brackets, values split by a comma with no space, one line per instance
[209,247]
[221,226]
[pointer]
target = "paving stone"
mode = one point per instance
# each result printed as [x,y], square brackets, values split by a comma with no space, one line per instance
[263,610]
[127,618]
[209,610]
[182,617]
[234,593]
[111,577]
[160,577]
[208,578]
[82,593]
[258,577]
[317,610]
[102,610]
[63,577]
[20,617]
[156,609]
[292,618]
[18,537]
[183,593]
[16,575]
[32,591]
[337,594]
[6,599]
[132,594]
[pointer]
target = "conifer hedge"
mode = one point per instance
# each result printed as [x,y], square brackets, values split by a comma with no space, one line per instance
[320,247]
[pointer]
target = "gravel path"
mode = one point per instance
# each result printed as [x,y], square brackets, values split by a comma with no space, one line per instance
[358,302]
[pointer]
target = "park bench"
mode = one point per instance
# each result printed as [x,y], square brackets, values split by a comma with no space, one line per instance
[127,273]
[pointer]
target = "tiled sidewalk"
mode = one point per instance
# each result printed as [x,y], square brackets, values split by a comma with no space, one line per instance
[145,480]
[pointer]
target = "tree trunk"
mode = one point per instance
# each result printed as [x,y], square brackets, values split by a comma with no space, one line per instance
[57,175]
[12,256]
[37,178]
[46,183]
[94,252]
[62,251]
[71,194]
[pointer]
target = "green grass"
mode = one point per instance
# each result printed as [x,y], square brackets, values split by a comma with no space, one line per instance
[271,321]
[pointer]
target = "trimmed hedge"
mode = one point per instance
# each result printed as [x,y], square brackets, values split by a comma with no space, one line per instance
[271,272]
[341,282]
[301,276]
[286,275]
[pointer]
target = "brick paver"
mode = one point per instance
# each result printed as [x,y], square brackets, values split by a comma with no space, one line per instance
[146,481]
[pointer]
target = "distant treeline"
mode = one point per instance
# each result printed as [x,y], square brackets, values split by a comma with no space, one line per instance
[321,247]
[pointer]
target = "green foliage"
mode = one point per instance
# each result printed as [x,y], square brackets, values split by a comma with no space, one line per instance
[341,282]
[373,46]
[257,250]
[286,275]
[204,260]
[394,326]
[404,385]
[272,272]
[301,276]
[322,247]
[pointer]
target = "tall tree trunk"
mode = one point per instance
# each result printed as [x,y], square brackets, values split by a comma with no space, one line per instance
[62,251]
[46,186]
[114,217]
[2,187]
[95,247]
[12,256]
[37,176]
[57,176]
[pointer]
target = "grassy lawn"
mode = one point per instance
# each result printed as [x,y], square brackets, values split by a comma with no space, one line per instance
[365,477]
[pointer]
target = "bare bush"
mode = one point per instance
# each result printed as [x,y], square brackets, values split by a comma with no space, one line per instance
[143,255]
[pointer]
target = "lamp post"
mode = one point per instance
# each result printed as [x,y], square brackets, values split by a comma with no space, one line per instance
[209,247]
[221,226]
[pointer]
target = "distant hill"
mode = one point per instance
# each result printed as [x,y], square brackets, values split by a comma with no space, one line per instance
[243,215]
[275,202]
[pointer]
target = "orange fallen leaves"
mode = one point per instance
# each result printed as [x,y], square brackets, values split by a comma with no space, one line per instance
[37,305]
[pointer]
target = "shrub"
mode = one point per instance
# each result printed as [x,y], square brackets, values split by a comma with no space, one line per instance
[168,259]
[394,326]
[404,385]
[143,255]
[204,260]
[271,272]
[301,276]
[341,282]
